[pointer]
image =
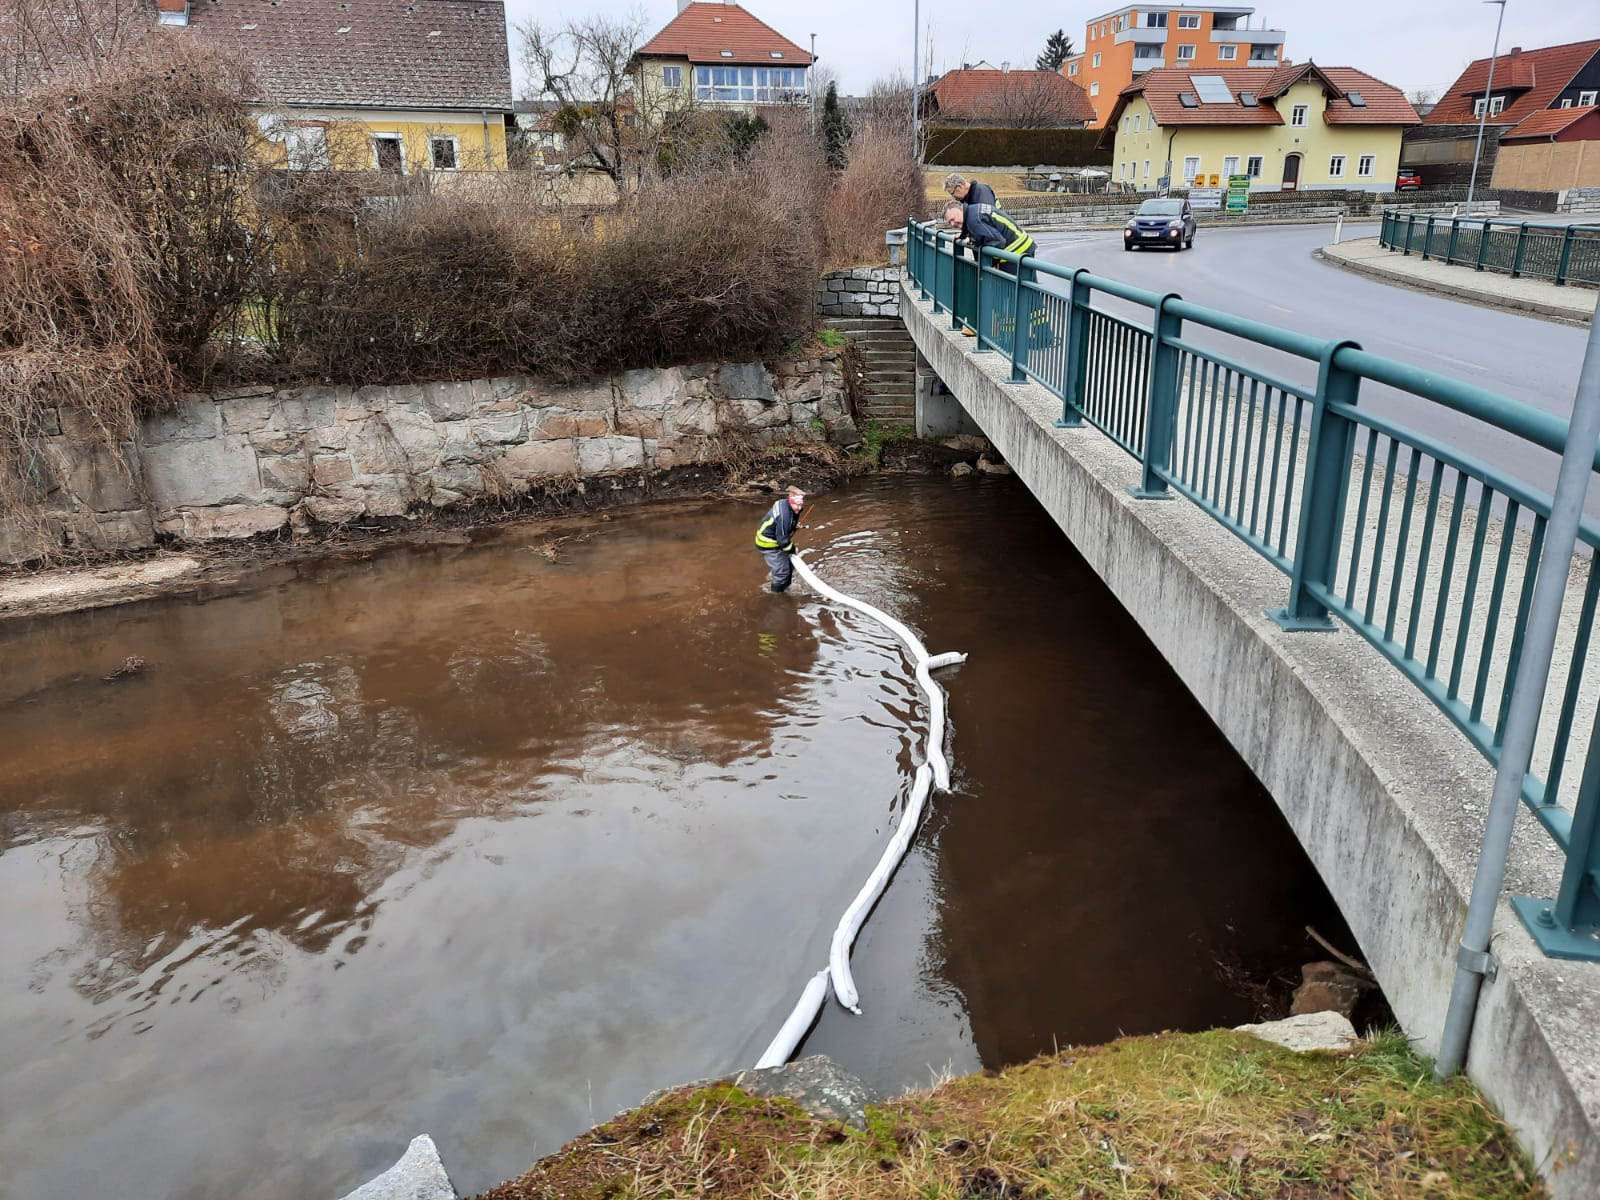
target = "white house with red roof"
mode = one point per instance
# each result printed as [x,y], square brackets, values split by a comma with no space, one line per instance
[722,55]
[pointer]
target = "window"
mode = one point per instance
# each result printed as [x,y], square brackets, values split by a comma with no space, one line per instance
[1252,166]
[388,153]
[1567,103]
[672,77]
[1365,165]
[1587,98]
[1155,20]
[442,152]
[1094,89]
[1477,107]
[1189,21]
[1191,168]
[1185,52]
[1072,68]
[1147,168]
[735,85]
[1297,117]
[1230,165]
[1336,167]
[1227,53]
[1138,122]
[1496,104]
[1095,61]
[305,147]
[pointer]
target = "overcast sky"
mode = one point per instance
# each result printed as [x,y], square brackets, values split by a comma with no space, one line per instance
[1409,43]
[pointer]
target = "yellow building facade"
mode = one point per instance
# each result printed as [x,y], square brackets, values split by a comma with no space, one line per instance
[1285,143]
[403,141]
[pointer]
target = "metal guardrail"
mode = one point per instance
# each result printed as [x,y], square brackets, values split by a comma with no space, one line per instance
[1565,254]
[1437,571]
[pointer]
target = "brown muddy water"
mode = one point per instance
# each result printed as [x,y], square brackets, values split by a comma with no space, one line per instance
[466,841]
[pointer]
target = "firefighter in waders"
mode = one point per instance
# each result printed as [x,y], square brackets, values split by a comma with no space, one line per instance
[775,537]
[983,229]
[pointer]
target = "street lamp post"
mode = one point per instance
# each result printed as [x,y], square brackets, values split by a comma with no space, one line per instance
[916,80]
[1488,92]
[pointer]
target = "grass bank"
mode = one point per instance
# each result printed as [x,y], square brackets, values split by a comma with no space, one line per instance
[1216,1114]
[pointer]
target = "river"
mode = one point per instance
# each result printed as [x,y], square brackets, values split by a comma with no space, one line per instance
[488,840]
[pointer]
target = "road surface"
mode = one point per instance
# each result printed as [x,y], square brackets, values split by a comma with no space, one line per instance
[1267,273]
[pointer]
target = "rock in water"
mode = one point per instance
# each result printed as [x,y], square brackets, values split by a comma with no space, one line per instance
[1310,1031]
[1328,987]
[993,468]
[960,470]
[419,1175]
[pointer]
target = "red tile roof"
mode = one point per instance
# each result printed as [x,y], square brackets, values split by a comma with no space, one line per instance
[975,94]
[435,54]
[701,32]
[1385,103]
[1547,123]
[1535,77]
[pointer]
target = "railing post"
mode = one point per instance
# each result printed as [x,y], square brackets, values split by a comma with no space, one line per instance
[1569,926]
[1161,401]
[1455,232]
[1427,238]
[1565,261]
[1483,242]
[1019,340]
[1077,373]
[938,270]
[978,300]
[1322,500]
[1516,258]
[1411,228]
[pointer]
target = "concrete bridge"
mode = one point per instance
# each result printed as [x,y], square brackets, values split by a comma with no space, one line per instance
[1377,735]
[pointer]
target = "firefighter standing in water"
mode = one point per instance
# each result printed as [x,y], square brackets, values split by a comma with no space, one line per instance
[775,537]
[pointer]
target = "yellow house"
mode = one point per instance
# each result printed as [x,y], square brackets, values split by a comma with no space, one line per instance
[1291,127]
[387,85]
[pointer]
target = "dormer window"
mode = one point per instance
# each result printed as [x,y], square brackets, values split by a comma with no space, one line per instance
[776,53]
[727,54]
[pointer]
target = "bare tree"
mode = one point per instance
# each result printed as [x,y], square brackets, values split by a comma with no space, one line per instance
[41,38]
[1018,100]
[1423,96]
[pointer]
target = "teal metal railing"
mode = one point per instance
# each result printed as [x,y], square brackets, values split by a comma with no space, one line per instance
[1565,254]
[1426,552]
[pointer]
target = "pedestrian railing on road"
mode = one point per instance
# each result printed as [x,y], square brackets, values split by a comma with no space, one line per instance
[1426,552]
[1564,254]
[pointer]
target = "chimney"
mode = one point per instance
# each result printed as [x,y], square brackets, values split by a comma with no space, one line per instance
[1514,51]
[172,12]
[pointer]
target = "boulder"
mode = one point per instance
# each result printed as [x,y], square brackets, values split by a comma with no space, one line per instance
[960,470]
[1328,987]
[1309,1031]
[419,1175]
[993,468]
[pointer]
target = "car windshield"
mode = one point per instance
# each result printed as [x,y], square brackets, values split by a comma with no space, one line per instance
[1161,208]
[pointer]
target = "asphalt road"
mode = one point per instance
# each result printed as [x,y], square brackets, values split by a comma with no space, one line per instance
[1267,273]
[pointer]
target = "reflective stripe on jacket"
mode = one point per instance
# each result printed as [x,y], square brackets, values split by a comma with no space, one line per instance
[778,527]
[997,230]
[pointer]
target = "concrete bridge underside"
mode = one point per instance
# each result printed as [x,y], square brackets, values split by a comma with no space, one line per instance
[1387,797]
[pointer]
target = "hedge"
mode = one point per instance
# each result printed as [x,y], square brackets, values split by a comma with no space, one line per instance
[968,146]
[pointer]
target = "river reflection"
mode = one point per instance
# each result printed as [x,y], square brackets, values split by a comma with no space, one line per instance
[473,841]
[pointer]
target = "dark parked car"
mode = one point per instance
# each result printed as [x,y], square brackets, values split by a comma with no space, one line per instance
[1163,222]
[1407,181]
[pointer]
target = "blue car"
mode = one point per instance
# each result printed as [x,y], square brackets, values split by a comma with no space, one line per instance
[1163,222]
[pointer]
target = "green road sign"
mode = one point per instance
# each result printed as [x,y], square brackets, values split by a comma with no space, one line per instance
[1238,193]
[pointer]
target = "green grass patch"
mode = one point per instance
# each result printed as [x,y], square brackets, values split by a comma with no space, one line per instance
[1171,1116]
[875,435]
[832,338]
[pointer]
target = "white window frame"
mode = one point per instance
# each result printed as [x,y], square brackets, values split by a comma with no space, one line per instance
[387,135]
[1227,169]
[1191,168]
[1138,122]
[1253,165]
[1588,97]
[1095,61]
[1188,20]
[1336,166]
[672,77]
[1072,68]
[455,151]
[1477,106]
[1186,57]
[1497,104]
[1366,165]
[1298,115]
[1227,52]
[1094,88]
[305,147]
[1567,103]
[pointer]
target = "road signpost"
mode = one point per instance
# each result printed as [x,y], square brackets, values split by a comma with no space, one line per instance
[1205,198]
[1238,193]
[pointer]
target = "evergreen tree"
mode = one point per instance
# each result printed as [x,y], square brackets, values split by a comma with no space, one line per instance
[835,129]
[1057,49]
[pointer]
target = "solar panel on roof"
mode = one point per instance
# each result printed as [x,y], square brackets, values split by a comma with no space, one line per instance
[1357,100]
[1248,99]
[1188,100]
[1212,89]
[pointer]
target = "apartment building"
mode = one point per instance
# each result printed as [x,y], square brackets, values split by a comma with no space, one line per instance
[1122,44]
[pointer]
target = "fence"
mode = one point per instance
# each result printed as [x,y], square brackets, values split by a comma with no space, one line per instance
[1566,254]
[1427,553]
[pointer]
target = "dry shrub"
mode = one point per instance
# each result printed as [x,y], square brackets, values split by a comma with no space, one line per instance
[715,262]
[879,187]
[124,246]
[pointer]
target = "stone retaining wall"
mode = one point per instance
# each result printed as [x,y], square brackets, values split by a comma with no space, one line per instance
[860,292]
[256,459]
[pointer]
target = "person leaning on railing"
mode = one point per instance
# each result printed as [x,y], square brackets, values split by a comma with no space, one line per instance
[970,191]
[988,229]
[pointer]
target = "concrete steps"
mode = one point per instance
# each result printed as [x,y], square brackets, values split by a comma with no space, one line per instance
[887,390]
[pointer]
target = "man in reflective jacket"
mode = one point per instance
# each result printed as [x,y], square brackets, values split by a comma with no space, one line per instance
[970,191]
[989,229]
[775,537]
